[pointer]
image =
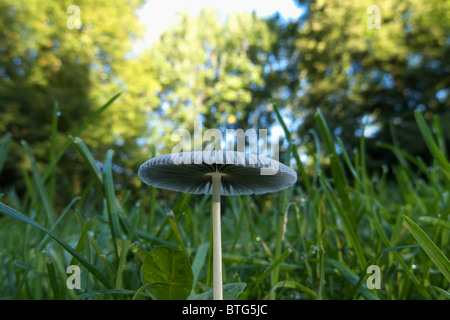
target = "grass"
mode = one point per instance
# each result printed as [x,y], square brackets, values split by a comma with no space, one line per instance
[313,241]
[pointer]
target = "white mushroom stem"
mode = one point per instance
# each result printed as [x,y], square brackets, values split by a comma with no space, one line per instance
[217,241]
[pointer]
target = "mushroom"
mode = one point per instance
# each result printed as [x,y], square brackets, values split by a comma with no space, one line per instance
[225,173]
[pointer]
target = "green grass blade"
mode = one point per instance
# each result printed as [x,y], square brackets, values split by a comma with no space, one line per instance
[99,251]
[89,159]
[269,270]
[353,278]
[435,254]
[348,161]
[91,268]
[305,178]
[293,285]
[435,221]
[43,194]
[432,145]
[154,239]
[337,170]
[279,235]
[81,240]
[122,263]
[60,218]
[4,149]
[175,230]
[53,280]
[446,294]
[125,248]
[390,248]
[348,226]
[199,260]
[440,135]
[111,201]
[54,131]
[402,155]
[320,294]
[76,133]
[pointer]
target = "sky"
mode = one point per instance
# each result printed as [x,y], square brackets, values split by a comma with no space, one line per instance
[158,15]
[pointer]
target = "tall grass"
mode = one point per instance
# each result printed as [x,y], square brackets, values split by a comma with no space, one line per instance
[315,240]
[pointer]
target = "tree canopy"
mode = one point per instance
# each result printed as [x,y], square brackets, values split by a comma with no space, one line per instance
[358,75]
[44,65]
[222,71]
[216,71]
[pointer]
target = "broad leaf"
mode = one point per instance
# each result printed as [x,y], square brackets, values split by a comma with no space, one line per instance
[168,272]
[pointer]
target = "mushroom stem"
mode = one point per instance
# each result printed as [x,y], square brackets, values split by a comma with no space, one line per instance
[217,241]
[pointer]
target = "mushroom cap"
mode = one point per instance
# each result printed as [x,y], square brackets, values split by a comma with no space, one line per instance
[241,173]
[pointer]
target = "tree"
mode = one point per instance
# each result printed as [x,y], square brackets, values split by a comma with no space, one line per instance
[358,74]
[221,72]
[48,59]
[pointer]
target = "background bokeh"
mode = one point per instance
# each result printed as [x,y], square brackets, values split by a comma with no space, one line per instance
[221,70]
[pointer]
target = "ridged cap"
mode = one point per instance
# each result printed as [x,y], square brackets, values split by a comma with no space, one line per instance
[242,173]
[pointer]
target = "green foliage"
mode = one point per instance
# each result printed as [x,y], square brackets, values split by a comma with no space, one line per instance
[212,71]
[4,149]
[231,291]
[362,76]
[222,71]
[289,245]
[436,255]
[169,273]
[17,215]
[46,67]
[367,108]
